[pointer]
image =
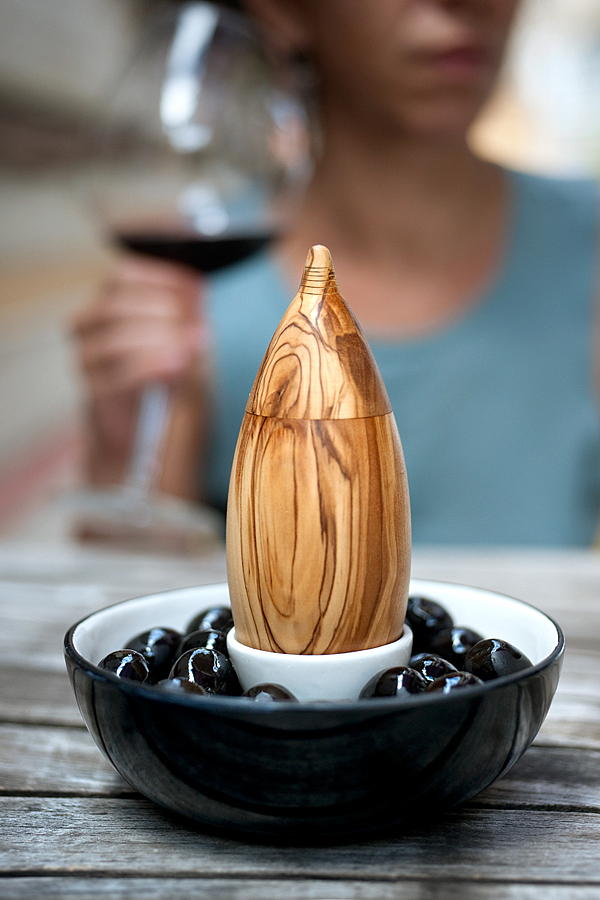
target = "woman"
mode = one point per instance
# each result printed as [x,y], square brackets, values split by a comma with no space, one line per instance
[474,286]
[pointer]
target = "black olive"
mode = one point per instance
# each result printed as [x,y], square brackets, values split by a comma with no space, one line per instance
[454,643]
[269,693]
[400,681]
[232,686]
[431,666]
[214,618]
[493,658]
[208,668]
[159,648]
[177,685]
[126,664]
[212,640]
[426,619]
[453,681]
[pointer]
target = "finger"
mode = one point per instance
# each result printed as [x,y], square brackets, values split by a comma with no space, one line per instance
[157,272]
[136,371]
[130,303]
[115,343]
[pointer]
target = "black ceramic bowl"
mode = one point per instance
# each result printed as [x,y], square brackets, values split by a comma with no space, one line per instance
[317,770]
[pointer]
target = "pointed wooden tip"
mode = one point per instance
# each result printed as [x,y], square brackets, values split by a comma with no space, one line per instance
[318,364]
[318,257]
[318,277]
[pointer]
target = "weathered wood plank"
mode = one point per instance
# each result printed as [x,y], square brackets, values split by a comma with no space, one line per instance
[563,583]
[45,589]
[54,760]
[133,837]
[574,717]
[261,889]
[74,564]
[37,606]
[548,778]
[30,695]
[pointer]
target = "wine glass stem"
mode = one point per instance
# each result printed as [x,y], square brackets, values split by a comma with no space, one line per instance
[148,444]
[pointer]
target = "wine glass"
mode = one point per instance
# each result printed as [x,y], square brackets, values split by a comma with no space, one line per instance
[212,152]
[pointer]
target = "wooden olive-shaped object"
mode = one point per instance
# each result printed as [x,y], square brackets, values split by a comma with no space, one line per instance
[318,519]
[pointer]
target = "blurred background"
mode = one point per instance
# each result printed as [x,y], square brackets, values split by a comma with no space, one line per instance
[59,60]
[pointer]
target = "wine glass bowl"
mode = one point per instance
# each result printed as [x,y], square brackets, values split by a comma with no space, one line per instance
[205,152]
[211,148]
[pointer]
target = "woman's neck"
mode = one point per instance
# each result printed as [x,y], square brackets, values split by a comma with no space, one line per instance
[422,220]
[402,191]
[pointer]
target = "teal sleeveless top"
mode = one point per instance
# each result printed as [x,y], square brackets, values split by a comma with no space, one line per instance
[497,411]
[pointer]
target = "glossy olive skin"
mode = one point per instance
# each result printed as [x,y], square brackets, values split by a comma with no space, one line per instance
[493,658]
[426,619]
[126,664]
[453,644]
[208,668]
[159,647]
[431,666]
[214,618]
[177,685]
[210,639]
[453,681]
[269,693]
[399,681]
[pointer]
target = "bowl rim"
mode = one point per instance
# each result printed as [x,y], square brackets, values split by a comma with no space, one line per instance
[378,705]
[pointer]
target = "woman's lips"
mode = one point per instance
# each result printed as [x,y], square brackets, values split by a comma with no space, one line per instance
[460,63]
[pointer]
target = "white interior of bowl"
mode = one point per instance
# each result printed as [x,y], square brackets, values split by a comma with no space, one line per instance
[111,628]
[492,615]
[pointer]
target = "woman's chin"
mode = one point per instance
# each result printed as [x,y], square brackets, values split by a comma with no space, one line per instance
[447,123]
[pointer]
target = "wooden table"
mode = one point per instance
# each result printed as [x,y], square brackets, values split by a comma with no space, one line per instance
[72,828]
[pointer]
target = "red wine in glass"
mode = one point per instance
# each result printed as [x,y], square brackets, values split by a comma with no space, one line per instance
[200,252]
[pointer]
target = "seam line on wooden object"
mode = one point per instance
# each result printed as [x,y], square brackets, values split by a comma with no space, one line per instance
[321,418]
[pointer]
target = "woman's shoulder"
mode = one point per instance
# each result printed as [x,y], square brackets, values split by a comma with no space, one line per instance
[555,243]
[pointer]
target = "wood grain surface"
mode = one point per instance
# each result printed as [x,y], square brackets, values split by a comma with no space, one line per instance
[318,524]
[99,887]
[318,364]
[113,836]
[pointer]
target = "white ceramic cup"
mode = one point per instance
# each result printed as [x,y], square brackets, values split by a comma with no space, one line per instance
[327,676]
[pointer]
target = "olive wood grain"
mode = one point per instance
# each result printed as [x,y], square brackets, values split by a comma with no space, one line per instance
[318,364]
[318,524]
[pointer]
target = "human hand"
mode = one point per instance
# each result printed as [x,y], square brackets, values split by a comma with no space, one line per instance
[144,325]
